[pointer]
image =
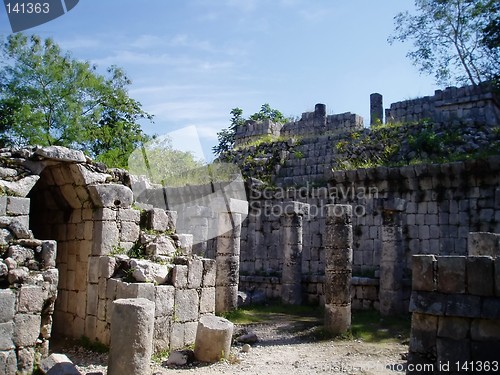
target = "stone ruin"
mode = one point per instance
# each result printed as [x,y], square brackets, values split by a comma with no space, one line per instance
[67,224]
[390,239]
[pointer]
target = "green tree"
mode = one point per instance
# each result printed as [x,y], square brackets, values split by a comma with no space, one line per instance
[450,39]
[49,98]
[226,136]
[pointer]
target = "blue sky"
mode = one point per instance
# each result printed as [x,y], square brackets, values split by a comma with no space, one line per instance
[191,61]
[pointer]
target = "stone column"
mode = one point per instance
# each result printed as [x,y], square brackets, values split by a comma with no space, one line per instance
[198,216]
[228,253]
[320,117]
[392,258]
[291,242]
[338,267]
[131,345]
[376,109]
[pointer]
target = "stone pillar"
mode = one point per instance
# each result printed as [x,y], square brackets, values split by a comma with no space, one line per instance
[338,268]
[291,242]
[228,253]
[213,339]
[132,324]
[198,226]
[392,258]
[320,116]
[376,109]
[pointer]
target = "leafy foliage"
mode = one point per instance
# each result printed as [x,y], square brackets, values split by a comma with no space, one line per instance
[226,136]
[455,40]
[49,98]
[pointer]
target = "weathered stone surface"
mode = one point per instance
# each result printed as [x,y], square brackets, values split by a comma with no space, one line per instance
[31,299]
[177,359]
[485,329]
[164,297]
[111,195]
[453,327]
[131,337]
[209,272]
[20,188]
[157,219]
[482,243]
[8,362]
[186,305]
[480,276]
[161,245]
[7,305]
[61,154]
[423,272]
[195,273]
[17,275]
[58,364]
[6,336]
[423,338]
[27,329]
[213,338]
[451,274]
[180,276]
[49,254]
[19,230]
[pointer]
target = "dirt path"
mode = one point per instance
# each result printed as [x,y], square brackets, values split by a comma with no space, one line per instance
[284,347]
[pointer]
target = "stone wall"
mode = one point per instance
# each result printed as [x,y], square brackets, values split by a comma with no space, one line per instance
[439,205]
[253,130]
[473,104]
[456,312]
[28,288]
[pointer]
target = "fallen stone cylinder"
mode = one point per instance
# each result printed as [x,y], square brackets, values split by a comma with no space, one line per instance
[213,339]
[131,346]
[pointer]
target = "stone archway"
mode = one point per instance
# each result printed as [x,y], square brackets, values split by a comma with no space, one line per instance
[62,210]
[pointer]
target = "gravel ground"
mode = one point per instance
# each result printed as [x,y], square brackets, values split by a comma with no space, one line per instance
[283,348]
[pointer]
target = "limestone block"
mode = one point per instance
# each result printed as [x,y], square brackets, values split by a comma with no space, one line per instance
[227,270]
[161,245]
[184,242]
[161,335]
[135,290]
[180,276]
[157,219]
[129,231]
[58,364]
[226,298]
[103,331]
[207,301]
[31,299]
[467,306]
[104,214]
[485,330]
[186,305]
[20,188]
[19,230]
[195,273]
[17,275]
[7,305]
[8,362]
[106,237]
[453,327]
[451,274]
[491,308]
[427,302]
[480,276]
[209,272]
[94,269]
[129,214]
[423,272]
[91,327]
[92,299]
[60,153]
[177,336]
[452,351]
[107,266]
[83,176]
[49,254]
[111,195]
[236,206]
[6,336]
[213,338]
[131,337]
[27,329]
[423,333]
[164,300]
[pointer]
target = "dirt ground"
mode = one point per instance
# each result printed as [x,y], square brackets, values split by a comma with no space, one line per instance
[284,347]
